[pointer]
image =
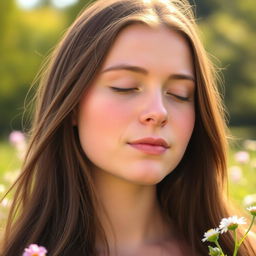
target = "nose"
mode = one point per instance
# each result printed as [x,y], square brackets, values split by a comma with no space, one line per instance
[154,112]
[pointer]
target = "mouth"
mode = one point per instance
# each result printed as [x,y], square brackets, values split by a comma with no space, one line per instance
[152,141]
[150,149]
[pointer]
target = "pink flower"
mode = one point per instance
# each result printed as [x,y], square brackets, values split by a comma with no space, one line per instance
[18,140]
[242,157]
[236,173]
[16,137]
[35,250]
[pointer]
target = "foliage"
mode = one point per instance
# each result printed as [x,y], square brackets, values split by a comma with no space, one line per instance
[231,41]
[29,35]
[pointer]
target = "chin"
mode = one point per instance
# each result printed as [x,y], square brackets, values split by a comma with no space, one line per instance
[149,177]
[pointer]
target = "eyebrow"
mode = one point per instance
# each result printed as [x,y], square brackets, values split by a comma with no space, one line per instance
[145,72]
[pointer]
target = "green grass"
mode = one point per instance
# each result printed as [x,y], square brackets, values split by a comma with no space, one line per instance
[9,169]
[9,161]
[247,184]
[10,164]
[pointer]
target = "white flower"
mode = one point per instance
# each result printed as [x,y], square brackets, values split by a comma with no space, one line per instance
[252,210]
[231,223]
[211,235]
[249,200]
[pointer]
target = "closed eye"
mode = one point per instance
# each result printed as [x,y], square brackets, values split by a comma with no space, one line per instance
[123,89]
[179,97]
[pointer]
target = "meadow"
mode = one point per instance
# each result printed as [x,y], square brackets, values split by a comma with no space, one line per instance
[241,172]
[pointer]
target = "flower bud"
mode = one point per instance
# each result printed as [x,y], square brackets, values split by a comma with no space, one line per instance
[214,251]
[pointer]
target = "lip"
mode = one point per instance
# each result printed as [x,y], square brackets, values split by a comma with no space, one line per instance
[150,145]
[151,141]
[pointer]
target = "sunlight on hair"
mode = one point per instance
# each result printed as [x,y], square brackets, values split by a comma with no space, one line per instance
[168,4]
[162,1]
[152,19]
[165,1]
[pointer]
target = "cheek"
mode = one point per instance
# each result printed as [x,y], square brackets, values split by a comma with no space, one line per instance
[100,118]
[104,114]
[184,123]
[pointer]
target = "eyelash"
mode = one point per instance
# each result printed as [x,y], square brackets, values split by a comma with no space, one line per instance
[124,90]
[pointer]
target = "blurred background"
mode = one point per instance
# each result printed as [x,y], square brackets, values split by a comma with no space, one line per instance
[29,29]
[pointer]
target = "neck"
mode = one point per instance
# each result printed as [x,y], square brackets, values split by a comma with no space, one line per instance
[133,217]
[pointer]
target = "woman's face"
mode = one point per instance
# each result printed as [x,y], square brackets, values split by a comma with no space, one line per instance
[154,69]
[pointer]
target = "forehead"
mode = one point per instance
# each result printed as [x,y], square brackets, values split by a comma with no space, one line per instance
[149,47]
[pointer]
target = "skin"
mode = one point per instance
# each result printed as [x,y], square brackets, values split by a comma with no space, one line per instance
[108,120]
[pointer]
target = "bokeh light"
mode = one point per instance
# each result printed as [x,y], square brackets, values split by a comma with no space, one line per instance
[63,3]
[29,4]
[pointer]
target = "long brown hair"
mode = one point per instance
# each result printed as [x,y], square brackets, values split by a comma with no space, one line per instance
[55,200]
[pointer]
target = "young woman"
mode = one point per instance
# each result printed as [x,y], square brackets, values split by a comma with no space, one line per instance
[127,152]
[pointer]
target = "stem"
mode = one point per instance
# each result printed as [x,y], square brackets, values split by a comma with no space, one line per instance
[236,244]
[218,245]
[239,243]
